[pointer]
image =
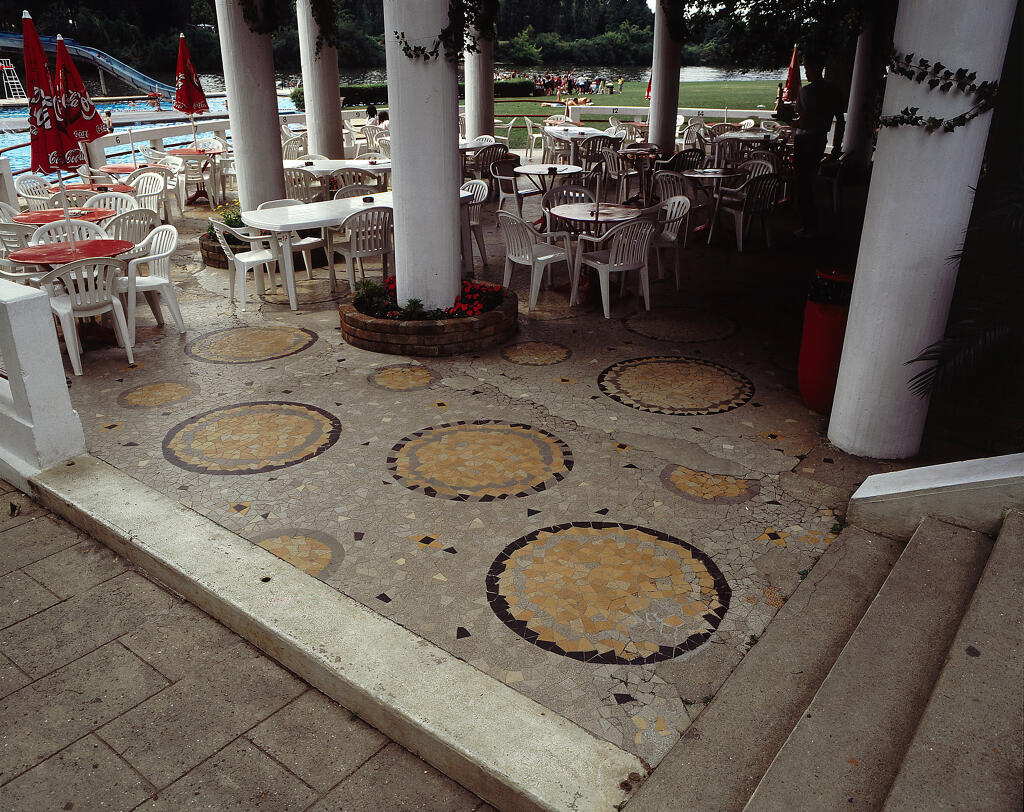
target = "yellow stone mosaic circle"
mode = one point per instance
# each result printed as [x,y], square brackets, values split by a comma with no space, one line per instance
[691,324]
[536,353]
[251,438]
[403,377]
[704,487]
[308,550]
[160,393]
[480,461]
[608,593]
[673,384]
[250,345]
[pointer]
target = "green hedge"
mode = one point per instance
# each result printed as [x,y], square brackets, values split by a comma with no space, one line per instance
[360,95]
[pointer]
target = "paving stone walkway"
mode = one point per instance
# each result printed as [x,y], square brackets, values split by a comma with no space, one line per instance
[116,695]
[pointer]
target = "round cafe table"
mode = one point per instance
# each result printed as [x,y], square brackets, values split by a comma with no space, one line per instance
[42,217]
[543,175]
[196,151]
[595,217]
[196,154]
[61,253]
[120,169]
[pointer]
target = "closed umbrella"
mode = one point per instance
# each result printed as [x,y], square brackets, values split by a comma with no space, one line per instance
[792,90]
[188,93]
[82,117]
[54,148]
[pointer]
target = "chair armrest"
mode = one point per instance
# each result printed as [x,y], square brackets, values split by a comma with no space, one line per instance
[555,235]
[589,238]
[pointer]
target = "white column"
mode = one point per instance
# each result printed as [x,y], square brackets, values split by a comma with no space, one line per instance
[664,84]
[857,141]
[252,107]
[918,207]
[480,89]
[425,165]
[320,87]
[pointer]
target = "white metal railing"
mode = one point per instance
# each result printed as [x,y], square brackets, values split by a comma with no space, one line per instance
[38,427]
[575,113]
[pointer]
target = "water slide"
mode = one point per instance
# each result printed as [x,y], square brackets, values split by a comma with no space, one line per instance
[94,56]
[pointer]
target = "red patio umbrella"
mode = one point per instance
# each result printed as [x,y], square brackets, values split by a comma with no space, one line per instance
[188,93]
[80,114]
[792,90]
[54,148]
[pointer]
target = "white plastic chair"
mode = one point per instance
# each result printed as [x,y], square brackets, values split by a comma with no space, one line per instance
[349,175]
[7,213]
[118,201]
[155,253]
[305,245]
[384,145]
[524,246]
[74,198]
[369,133]
[173,170]
[149,190]
[484,140]
[201,171]
[562,195]
[12,237]
[258,260]
[671,215]
[59,231]
[506,132]
[357,190]
[85,289]
[301,185]
[35,190]
[621,175]
[755,198]
[627,247]
[476,204]
[133,225]
[507,183]
[312,156]
[555,150]
[370,235]
[534,138]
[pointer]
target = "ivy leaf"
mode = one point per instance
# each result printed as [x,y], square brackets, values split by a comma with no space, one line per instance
[961,74]
[920,76]
[939,67]
[923,63]
[972,76]
[908,58]
[947,74]
[933,83]
[946,86]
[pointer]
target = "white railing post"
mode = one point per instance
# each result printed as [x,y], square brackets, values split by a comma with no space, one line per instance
[38,426]
[8,194]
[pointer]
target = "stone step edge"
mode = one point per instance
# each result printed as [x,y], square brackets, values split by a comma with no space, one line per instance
[508,749]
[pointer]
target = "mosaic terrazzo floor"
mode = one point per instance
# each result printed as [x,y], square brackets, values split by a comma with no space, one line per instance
[593,514]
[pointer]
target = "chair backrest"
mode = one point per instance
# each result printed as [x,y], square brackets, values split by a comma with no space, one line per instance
[768,156]
[672,215]
[7,213]
[371,132]
[507,129]
[669,184]
[133,225]
[62,231]
[484,139]
[312,156]
[489,154]
[591,150]
[612,163]
[628,243]
[480,192]
[557,118]
[384,145]
[561,195]
[519,237]
[293,147]
[34,189]
[221,231]
[761,194]
[614,121]
[692,137]
[156,249]
[722,127]
[149,188]
[77,197]
[118,201]
[529,126]
[753,167]
[356,190]
[300,184]
[286,132]
[462,126]
[277,204]
[89,283]
[747,124]
[207,143]
[14,236]
[729,151]
[172,163]
[370,230]
[685,159]
[152,154]
[350,174]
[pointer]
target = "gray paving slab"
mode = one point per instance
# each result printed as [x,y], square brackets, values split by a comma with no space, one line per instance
[44,717]
[34,540]
[846,748]
[394,773]
[181,640]
[318,740]
[166,736]
[717,763]
[22,597]
[967,751]
[16,509]
[11,677]
[214,785]
[70,629]
[84,775]
[76,569]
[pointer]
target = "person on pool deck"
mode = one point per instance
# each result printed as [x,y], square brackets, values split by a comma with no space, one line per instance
[818,104]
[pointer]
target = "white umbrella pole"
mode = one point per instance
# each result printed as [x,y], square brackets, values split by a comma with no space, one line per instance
[64,202]
[131,140]
[195,138]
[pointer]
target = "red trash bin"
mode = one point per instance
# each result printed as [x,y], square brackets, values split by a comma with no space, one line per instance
[821,348]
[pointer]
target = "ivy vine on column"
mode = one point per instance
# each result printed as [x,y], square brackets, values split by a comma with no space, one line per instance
[468,21]
[269,16]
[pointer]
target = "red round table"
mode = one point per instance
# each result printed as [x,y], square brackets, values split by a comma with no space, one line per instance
[61,253]
[124,188]
[42,217]
[120,169]
[195,151]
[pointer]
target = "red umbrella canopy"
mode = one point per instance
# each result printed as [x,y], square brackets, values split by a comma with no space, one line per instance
[188,94]
[792,91]
[53,146]
[80,114]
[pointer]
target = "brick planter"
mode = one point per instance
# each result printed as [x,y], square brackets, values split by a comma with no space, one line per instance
[431,338]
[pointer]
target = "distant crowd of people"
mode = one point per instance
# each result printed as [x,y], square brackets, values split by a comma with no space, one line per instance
[568,84]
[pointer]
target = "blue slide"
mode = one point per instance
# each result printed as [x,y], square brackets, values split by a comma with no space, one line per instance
[94,56]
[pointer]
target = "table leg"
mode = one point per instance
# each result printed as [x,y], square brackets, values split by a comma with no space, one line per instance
[467,240]
[288,269]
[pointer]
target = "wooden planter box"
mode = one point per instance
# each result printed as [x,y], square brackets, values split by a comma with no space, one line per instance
[211,252]
[431,338]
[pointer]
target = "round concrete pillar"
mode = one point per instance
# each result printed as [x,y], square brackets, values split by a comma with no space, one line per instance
[859,130]
[320,87]
[425,164]
[480,88]
[918,207]
[252,107]
[664,84]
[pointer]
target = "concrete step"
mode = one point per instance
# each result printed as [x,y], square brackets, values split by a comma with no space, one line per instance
[845,750]
[720,758]
[967,751]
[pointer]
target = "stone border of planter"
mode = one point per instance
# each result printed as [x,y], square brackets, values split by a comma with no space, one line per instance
[431,338]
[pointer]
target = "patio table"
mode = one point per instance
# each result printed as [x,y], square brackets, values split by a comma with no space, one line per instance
[543,175]
[61,253]
[642,160]
[203,156]
[595,219]
[42,217]
[325,167]
[121,169]
[573,134]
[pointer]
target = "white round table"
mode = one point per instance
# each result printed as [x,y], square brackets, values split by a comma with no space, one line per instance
[543,175]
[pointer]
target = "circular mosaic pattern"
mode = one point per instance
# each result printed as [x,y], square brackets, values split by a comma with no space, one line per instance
[536,353]
[403,377]
[680,324]
[307,292]
[251,438]
[701,486]
[608,593]
[250,345]
[672,384]
[160,393]
[311,551]
[480,461]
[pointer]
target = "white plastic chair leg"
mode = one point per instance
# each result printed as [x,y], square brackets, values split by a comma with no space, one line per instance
[170,298]
[508,272]
[74,347]
[153,300]
[645,287]
[605,282]
[536,274]
[121,328]
[307,258]
[478,231]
